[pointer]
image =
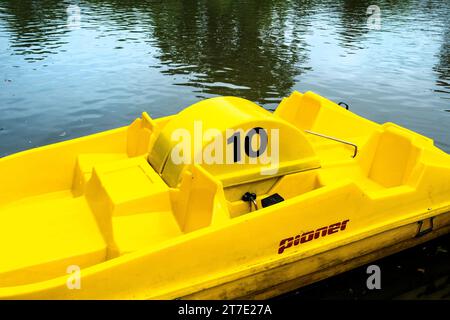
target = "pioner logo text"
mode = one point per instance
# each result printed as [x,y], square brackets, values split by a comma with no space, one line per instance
[312,235]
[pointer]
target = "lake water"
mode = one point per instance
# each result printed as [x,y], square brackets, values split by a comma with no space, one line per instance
[71,68]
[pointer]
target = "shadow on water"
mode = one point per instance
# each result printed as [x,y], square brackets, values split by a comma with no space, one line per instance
[218,43]
[353,24]
[35,27]
[442,68]
[253,49]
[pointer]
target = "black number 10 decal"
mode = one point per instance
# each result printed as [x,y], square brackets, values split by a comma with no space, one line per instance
[235,139]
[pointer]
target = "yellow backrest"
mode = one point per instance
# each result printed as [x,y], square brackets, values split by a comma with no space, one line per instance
[309,111]
[394,158]
[287,148]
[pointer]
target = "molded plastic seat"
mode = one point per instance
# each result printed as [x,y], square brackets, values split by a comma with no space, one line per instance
[394,158]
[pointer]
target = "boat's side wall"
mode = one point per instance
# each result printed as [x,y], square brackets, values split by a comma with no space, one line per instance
[275,281]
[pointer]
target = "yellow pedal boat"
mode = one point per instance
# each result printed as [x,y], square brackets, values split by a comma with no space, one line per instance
[305,192]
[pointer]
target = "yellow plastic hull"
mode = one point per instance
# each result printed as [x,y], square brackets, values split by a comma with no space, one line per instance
[139,227]
[290,276]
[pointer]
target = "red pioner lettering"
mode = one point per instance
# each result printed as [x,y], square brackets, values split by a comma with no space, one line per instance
[312,235]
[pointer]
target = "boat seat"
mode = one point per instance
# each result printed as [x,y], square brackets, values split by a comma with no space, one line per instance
[131,204]
[390,157]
